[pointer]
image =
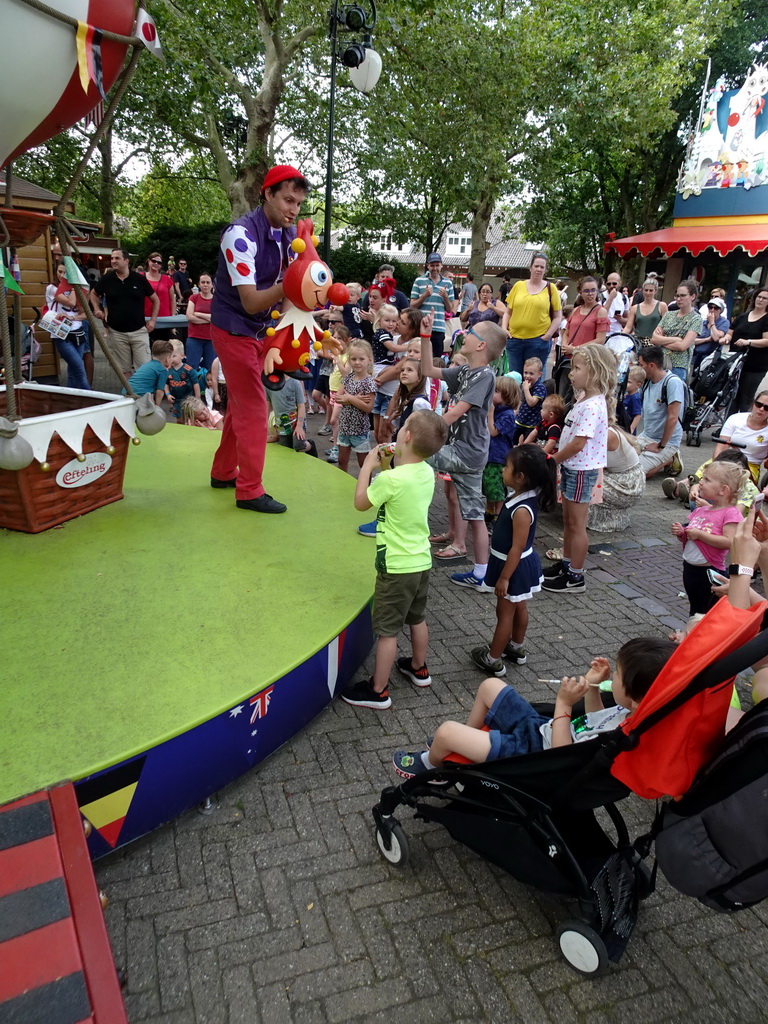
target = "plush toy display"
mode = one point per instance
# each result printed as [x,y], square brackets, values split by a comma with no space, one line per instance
[307,284]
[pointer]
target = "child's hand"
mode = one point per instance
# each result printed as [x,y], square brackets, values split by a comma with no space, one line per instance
[678,529]
[371,459]
[745,546]
[502,586]
[385,456]
[571,690]
[298,432]
[426,323]
[599,671]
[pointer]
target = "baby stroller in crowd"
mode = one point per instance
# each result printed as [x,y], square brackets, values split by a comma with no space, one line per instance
[534,815]
[30,346]
[715,386]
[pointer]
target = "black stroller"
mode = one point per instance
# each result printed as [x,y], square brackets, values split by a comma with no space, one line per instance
[535,815]
[714,388]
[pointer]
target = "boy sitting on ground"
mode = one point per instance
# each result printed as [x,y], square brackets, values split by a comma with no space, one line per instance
[516,727]
[403,557]
[152,377]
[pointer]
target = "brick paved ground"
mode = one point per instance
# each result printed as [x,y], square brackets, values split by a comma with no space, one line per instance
[278,907]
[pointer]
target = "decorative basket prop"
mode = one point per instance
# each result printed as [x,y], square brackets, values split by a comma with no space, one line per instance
[80,443]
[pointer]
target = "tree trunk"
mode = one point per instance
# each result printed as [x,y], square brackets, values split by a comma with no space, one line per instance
[481,220]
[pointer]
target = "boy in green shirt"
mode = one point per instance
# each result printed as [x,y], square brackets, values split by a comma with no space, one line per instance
[403,556]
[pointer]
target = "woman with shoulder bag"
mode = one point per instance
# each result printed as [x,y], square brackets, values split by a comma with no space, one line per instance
[588,322]
[532,316]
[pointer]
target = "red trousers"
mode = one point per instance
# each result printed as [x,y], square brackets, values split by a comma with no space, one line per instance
[244,438]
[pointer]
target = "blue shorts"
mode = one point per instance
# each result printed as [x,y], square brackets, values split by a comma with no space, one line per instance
[577,484]
[381,404]
[514,725]
[357,442]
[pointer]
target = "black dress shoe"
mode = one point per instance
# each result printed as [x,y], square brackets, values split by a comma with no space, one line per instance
[264,503]
[223,483]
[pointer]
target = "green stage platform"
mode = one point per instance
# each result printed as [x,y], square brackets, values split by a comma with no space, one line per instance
[145,618]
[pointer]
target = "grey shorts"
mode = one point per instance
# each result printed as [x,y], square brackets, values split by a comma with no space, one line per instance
[468,482]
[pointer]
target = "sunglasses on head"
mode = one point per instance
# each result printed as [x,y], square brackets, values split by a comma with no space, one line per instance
[761,405]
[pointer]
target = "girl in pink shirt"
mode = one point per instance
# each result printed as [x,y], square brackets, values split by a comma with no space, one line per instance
[709,531]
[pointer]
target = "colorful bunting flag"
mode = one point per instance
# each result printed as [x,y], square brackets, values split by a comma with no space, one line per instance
[74,274]
[9,280]
[146,30]
[89,64]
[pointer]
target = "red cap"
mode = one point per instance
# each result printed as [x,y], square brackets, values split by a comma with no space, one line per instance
[282,172]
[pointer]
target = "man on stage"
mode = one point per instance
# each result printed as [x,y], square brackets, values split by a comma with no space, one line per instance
[252,260]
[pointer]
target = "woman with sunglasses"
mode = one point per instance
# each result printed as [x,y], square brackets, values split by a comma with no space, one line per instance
[162,286]
[749,332]
[588,322]
[679,329]
[748,430]
[644,317]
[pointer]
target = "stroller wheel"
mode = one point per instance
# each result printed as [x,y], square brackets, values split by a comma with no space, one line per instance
[582,947]
[398,852]
[689,438]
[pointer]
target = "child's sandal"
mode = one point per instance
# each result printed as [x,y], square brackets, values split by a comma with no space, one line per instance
[440,538]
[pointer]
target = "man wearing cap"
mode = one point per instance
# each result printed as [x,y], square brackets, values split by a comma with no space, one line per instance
[716,325]
[253,256]
[433,293]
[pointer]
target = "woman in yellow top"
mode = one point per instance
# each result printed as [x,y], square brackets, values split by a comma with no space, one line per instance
[532,316]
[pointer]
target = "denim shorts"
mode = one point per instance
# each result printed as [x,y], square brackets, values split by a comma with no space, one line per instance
[381,404]
[359,443]
[577,484]
[514,725]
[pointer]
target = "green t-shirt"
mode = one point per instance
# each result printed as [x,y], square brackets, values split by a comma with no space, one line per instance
[403,496]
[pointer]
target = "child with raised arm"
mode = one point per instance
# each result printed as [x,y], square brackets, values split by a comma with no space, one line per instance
[471,389]
[403,560]
[515,727]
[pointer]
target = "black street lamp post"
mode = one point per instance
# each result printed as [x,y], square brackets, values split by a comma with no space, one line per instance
[365,67]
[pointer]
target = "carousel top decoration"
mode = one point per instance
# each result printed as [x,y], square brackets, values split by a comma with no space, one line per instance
[729,148]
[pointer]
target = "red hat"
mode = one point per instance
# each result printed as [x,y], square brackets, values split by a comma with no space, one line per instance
[282,172]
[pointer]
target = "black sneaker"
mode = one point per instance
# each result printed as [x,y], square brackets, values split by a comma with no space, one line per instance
[516,654]
[223,483]
[568,582]
[264,503]
[363,695]
[558,568]
[418,676]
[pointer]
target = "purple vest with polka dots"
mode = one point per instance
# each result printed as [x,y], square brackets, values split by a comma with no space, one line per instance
[227,311]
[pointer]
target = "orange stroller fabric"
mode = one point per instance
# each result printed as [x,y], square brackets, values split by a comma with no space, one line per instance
[670,754]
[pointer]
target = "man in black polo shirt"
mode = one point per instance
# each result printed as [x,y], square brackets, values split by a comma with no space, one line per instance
[182,285]
[125,291]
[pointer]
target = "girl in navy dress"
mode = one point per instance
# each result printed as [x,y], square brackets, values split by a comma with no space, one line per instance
[514,569]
